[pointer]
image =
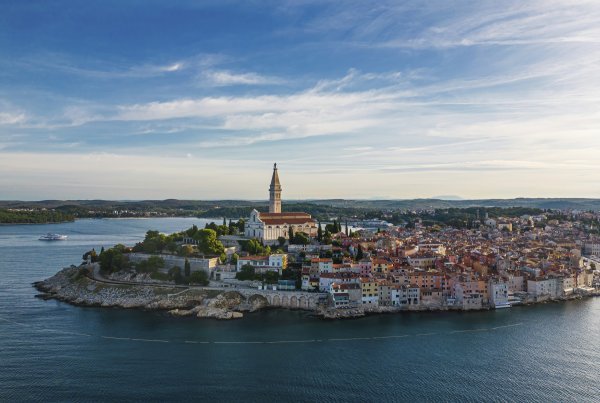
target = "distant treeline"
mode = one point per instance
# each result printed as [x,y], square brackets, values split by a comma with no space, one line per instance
[320,212]
[447,212]
[33,217]
[208,205]
[462,217]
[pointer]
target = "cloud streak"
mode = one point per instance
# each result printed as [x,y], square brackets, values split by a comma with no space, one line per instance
[478,99]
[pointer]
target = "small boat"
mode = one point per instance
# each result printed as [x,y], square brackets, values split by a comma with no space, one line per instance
[53,237]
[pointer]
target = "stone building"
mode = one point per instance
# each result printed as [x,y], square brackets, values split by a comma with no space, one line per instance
[268,227]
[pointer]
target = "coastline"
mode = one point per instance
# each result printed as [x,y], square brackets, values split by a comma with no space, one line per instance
[111,218]
[78,286]
[38,223]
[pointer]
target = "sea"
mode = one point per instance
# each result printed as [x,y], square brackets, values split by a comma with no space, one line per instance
[54,352]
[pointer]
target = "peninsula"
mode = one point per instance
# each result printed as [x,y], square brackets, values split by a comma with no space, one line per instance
[439,259]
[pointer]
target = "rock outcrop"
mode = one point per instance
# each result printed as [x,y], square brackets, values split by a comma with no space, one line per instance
[73,286]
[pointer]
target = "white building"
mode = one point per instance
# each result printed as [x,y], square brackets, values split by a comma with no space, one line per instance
[276,262]
[591,249]
[404,296]
[269,227]
[540,288]
[498,294]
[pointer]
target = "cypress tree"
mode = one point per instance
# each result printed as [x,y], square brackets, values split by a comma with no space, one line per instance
[187,268]
[320,232]
[359,254]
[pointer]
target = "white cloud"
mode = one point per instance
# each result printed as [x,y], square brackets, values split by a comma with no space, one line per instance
[11,118]
[172,67]
[219,78]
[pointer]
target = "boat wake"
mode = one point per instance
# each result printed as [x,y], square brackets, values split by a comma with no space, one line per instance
[233,342]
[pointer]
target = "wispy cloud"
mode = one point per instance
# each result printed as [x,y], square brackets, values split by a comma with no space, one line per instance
[476,98]
[8,118]
[111,69]
[226,78]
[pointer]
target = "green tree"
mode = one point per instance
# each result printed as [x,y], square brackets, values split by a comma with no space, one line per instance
[234,258]
[187,268]
[150,265]
[281,241]
[301,238]
[246,273]
[271,277]
[291,233]
[171,246]
[199,277]
[113,260]
[241,224]
[175,274]
[359,254]
[233,229]
[208,242]
[327,238]
[319,232]
[192,231]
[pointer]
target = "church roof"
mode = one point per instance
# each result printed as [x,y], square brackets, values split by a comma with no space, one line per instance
[282,221]
[288,214]
[286,218]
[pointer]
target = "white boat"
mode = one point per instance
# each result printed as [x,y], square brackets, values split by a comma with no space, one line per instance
[53,237]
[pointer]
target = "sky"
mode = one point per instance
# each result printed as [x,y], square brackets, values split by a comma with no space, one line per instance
[353,99]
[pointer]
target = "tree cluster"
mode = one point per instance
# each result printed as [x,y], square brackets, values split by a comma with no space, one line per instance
[247,272]
[33,217]
[114,259]
[254,247]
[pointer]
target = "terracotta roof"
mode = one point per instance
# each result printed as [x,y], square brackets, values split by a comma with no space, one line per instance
[254,258]
[282,221]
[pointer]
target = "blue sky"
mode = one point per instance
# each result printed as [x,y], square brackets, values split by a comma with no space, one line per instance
[149,99]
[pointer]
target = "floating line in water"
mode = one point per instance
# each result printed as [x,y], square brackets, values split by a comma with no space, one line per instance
[135,339]
[233,342]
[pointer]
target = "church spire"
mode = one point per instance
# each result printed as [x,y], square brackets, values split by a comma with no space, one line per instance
[275,192]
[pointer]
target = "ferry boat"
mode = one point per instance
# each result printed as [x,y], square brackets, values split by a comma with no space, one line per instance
[53,237]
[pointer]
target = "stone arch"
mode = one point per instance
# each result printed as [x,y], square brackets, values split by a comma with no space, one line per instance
[303,302]
[312,302]
[284,301]
[276,300]
[294,302]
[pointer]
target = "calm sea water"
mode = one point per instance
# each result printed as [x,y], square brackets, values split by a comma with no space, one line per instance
[51,351]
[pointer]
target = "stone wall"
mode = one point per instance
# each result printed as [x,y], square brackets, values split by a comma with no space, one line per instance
[196,264]
[287,299]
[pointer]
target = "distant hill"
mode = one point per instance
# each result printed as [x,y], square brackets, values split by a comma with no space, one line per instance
[208,205]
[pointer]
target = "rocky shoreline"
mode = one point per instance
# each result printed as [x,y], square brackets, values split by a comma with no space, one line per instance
[71,285]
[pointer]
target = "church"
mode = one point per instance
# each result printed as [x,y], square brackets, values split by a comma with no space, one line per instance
[268,227]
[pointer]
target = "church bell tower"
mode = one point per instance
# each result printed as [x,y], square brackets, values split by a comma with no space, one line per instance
[275,193]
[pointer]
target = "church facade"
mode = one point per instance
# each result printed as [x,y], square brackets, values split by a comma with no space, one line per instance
[269,227]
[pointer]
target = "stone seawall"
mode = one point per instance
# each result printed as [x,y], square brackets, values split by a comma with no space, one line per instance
[73,285]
